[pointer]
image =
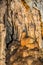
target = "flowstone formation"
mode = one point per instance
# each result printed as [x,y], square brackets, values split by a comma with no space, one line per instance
[26,23]
[20,33]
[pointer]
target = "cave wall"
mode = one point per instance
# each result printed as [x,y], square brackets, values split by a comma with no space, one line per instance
[20,23]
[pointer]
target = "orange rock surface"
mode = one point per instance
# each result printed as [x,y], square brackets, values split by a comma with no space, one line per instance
[42,29]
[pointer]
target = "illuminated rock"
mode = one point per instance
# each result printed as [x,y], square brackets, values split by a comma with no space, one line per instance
[2,33]
[27,22]
[2,44]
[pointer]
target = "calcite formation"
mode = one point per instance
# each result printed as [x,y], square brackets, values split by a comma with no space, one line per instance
[20,33]
[2,33]
[27,34]
[2,44]
[26,21]
[42,29]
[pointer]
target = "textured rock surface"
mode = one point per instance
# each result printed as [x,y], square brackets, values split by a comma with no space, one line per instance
[22,36]
[24,49]
[18,55]
[26,21]
[2,44]
[2,33]
[42,29]
[36,3]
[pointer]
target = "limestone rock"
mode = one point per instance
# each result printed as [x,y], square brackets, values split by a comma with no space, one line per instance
[2,44]
[22,33]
